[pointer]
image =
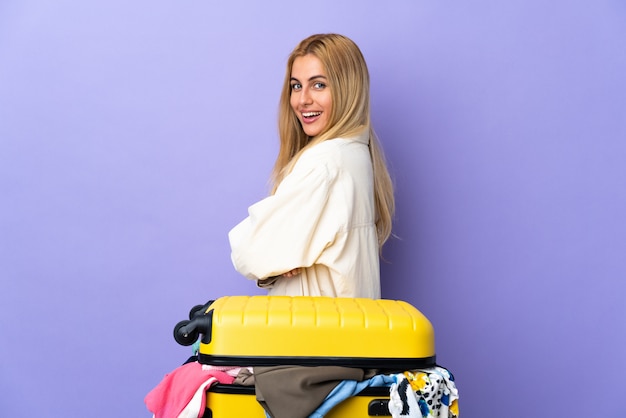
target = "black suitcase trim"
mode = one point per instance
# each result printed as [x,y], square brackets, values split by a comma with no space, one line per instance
[360,362]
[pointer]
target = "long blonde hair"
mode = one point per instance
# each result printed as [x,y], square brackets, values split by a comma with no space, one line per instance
[348,78]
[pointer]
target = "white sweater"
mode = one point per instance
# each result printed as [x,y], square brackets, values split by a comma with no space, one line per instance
[321,219]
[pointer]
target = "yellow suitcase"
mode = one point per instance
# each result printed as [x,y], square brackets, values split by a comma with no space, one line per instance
[389,335]
[309,331]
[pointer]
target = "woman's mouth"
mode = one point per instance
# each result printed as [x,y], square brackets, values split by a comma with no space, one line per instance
[310,116]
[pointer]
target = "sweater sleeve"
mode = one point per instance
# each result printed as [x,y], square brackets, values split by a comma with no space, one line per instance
[291,228]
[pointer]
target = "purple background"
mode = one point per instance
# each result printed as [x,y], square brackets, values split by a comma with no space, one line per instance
[134,135]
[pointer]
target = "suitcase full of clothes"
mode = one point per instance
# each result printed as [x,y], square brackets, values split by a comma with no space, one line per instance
[278,331]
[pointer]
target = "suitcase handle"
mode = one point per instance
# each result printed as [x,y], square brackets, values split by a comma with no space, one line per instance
[378,408]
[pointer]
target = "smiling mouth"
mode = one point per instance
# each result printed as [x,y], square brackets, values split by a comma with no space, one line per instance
[308,115]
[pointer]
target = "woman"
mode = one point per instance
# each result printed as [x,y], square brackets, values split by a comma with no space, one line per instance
[321,230]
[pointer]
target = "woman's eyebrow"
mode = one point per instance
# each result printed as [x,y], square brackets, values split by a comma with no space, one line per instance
[310,78]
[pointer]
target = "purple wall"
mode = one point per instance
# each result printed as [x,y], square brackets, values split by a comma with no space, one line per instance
[133,136]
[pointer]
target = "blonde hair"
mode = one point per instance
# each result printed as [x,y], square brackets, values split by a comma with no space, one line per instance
[348,78]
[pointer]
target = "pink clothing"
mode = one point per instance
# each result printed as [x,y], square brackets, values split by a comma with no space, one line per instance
[170,397]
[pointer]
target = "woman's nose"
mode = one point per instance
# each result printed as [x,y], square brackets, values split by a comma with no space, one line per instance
[305,97]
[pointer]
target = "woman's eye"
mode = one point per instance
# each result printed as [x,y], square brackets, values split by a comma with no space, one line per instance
[319,85]
[296,86]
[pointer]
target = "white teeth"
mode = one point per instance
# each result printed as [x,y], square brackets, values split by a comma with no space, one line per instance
[311,114]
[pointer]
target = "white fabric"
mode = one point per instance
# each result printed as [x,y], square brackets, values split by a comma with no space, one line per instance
[403,402]
[193,408]
[430,393]
[321,219]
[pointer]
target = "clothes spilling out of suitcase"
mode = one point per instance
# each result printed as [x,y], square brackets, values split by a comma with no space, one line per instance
[301,357]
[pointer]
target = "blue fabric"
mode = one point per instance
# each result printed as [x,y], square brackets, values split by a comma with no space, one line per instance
[195,348]
[348,388]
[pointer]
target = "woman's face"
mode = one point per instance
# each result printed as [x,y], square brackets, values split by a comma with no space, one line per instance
[310,94]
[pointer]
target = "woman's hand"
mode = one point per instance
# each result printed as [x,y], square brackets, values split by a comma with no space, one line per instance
[292,273]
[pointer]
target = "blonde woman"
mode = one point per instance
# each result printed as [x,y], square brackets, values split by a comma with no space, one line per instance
[321,230]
